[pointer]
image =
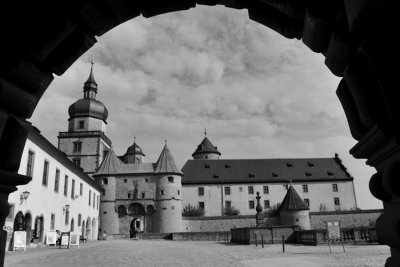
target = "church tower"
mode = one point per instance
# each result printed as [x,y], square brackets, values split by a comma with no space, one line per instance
[86,142]
[206,150]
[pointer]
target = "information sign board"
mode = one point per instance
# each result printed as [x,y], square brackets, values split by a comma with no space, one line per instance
[51,238]
[333,230]
[19,240]
[65,236]
[74,240]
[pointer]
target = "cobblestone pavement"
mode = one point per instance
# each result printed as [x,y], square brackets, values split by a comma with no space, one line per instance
[201,253]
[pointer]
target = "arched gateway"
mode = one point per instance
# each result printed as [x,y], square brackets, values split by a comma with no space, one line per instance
[356,38]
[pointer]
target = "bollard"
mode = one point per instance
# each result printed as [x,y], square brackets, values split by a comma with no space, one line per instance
[255,237]
[262,241]
[283,243]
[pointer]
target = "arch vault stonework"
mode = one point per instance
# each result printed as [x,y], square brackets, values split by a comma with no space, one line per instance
[357,38]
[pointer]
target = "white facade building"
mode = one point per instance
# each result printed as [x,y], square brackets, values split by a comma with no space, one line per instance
[60,195]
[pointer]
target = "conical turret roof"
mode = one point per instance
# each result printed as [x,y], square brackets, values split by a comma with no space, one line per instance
[166,163]
[293,201]
[110,164]
[206,147]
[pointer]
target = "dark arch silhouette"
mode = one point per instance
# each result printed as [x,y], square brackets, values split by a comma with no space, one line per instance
[136,209]
[122,211]
[356,38]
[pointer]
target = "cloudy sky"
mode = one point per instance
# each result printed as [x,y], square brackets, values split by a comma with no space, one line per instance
[258,94]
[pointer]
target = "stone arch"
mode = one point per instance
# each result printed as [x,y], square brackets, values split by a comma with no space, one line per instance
[83,229]
[355,38]
[19,222]
[94,229]
[39,229]
[28,220]
[122,211]
[88,229]
[136,209]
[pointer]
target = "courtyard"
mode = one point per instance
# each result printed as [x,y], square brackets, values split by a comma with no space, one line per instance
[198,253]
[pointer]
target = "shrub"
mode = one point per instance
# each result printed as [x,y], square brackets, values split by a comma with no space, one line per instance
[192,211]
[230,211]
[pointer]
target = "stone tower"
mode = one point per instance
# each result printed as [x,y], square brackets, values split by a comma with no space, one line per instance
[168,200]
[294,211]
[206,150]
[86,142]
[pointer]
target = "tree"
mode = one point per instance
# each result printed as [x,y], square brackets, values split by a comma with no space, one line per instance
[192,211]
[273,211]
[322,207]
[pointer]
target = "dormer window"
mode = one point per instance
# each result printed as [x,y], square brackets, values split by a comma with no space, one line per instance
[206,166]
[329,173]
[310,164]
[289,164]
[215,176]
[274,174]
[227,166]
[251,175]
[308,173]
[170,179]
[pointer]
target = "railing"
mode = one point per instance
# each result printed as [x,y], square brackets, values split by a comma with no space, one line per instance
[84,133]
[306,237]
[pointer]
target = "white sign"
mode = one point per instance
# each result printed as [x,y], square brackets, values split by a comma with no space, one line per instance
[20,240]
[64,239]
[51,238]
[333,230]
[74,239]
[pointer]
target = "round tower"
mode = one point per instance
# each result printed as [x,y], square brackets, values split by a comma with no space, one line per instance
[206,150]
[168,199]
[105,176]
[293,210]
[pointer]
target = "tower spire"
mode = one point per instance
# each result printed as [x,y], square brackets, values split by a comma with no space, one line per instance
[90,86]
[205,132]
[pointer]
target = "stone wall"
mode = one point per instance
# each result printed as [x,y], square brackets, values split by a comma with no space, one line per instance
[348,219]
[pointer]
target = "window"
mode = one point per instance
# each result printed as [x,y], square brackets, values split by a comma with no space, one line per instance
[29,166]
[289,164]
[105,152]
[146,180]
[179,192]
[98,201]
[227,190]
[73,189]
[266,204]
[125,181]
[77,162]
[307,201]
[310,164]
[52,221]
[228,204]
[90,197]
[251,175]
[201,205]
[201,191]
[265,189]
[57,181]
[240,189]
[94,199]
[250,189]
[45,172]
[337,201]
[66,217]
[143,195]
[129,195]
[170,179]
[305,188]
[81,124]
[81,189]
[215,176]
[77,146]
[104,193]
[105,180]
[251,204]
[79,219]
[335,188]
[65,185]
[162,192]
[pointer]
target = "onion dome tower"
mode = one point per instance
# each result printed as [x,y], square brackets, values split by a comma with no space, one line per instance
[206,150]
[86,142]
[168,194]
[134,154]
[294,211]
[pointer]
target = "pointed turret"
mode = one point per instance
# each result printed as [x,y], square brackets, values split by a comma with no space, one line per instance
[110,164]
[293,201]
[206,150]
[166,163]
[90,86]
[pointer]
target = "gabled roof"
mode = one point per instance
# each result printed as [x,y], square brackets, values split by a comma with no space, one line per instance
[206,147]
[166,163]
[292,201]
[264,170]
[110,164]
